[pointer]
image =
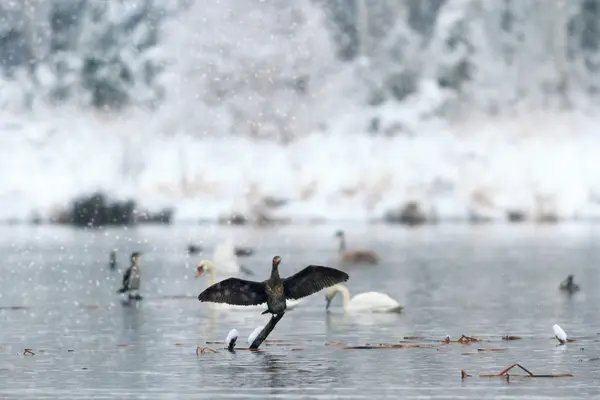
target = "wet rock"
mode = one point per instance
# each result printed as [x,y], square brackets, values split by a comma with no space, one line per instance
[273,202]
[516,216]
[411,214]
[234,218]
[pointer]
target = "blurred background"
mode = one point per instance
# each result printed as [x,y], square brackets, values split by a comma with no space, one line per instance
[247,110]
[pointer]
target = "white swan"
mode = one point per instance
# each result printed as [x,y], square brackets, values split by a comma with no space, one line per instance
[374,302]
[208,266]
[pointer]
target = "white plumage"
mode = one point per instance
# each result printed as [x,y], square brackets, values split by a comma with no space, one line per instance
[560,335]
[373,302]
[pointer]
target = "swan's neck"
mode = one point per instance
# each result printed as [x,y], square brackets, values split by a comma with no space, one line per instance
[342,244]
[345,295]
[212,276]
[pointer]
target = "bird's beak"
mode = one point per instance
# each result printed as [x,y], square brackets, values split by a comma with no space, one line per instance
[199,271]
[327,302]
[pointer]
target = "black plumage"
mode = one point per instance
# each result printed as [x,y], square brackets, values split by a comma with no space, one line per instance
[275,290]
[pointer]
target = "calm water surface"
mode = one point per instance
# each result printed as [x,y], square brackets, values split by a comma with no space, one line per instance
[57,297]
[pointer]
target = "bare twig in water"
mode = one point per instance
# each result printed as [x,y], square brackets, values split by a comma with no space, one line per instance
[202,350]
[530,374]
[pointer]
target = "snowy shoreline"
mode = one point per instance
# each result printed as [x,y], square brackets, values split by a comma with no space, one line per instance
[545,169]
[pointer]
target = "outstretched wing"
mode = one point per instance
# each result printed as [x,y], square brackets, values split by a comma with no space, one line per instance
[235,291]
[312,279]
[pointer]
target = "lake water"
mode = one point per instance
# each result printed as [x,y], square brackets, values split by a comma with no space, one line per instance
[57,297]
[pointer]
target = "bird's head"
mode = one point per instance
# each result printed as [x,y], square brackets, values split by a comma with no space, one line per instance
[276,261]
[135,257]
[203,266]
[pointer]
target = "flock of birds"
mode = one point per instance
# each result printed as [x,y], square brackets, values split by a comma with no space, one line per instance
[231,293]
[283,294]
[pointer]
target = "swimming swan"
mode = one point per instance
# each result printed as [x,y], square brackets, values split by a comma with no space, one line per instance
[373,302]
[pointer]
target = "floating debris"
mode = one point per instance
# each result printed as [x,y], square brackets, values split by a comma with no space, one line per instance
[202,350]
[463,374]
[470,339]
[505,374]
[28,352]
[389,346]
[491,350]
[511,337]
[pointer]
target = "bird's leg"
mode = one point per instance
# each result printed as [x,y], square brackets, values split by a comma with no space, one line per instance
[265,312]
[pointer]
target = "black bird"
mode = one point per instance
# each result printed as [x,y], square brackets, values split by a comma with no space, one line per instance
[275,290]
[131,278]
[112,259]
[568,286]
[194,249]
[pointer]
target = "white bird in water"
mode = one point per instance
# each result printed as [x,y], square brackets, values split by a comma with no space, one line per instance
[373,302]
[231,339]
[254,335]
[559,334]
[207,266]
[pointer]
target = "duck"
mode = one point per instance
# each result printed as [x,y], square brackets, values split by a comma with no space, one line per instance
[354,256]
[194,249]
[112,259]
[275,291]
[374,302]
[208,267]
[568,286]
[243,251]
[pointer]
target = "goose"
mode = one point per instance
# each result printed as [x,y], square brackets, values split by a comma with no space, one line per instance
[208,266]
[568,286]
[374,302]
[131,278]
[275,291]
[354,256]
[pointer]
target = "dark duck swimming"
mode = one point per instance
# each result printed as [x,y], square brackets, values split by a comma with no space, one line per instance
[568,285]
[275,290]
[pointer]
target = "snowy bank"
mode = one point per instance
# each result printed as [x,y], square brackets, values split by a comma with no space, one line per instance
[546,164]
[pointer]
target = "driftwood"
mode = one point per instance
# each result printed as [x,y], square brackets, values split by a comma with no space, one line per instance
[266,331]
